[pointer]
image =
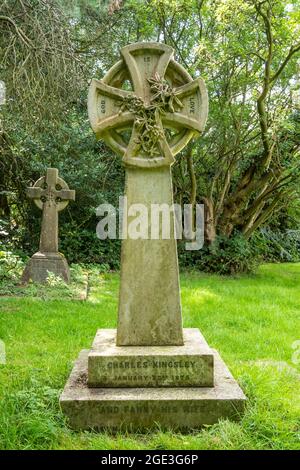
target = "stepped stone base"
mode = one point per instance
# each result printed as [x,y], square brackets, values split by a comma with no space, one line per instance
[144,408]
[150,366]
[40,263]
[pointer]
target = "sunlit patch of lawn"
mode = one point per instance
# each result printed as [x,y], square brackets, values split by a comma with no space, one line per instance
[253,321]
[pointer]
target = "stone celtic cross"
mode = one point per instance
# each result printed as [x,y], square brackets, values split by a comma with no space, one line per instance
[148,92]
[150,370]
[51,194]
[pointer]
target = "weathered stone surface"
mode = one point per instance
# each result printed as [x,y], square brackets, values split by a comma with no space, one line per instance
[149,285]
[143,408]
[149,329]
[40,264]
[51,194]
[150,366]
[149,302]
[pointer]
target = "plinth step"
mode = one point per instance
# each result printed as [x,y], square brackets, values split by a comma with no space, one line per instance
[150,366]
[40,264]
[143,408]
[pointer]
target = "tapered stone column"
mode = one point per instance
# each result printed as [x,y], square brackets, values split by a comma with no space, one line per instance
[149,301]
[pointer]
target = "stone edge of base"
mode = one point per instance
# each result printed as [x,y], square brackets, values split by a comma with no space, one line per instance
[143,408]
[36,267]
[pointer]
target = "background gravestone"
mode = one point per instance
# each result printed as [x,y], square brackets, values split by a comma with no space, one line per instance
[150,370]
[51,194]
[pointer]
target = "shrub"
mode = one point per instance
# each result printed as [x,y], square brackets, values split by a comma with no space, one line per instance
[11,266]
[81,245]
[277,246]
[224,256]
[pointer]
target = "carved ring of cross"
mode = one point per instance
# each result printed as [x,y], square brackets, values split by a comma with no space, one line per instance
[140,62]
[57,194]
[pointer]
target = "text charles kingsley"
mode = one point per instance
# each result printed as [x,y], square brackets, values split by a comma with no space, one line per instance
[155,364]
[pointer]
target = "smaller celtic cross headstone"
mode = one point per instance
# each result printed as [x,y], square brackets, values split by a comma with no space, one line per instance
[51,194]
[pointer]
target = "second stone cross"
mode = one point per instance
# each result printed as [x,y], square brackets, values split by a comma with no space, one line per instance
[51,194]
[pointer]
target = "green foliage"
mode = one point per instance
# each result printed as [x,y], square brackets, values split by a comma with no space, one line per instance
[224,256]
[240,255]
[34,409]
[89,168]
[45,122]
[54,281]
[11,269]
[81,245]
[278,246]
[11,266]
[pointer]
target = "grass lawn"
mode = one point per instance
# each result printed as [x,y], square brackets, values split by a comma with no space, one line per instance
[252,320]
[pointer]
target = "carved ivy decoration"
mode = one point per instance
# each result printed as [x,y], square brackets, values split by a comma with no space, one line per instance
[146,117]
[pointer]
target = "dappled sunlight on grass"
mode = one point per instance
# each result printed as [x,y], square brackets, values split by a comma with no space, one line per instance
[104,288]
[198,296]
[251,320]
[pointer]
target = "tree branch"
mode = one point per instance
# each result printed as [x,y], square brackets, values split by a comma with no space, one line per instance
[19,31]
[292,51]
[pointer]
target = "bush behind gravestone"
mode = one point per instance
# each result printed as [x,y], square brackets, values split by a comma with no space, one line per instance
[239,255]
[83,246]
[224,256]
[278,246]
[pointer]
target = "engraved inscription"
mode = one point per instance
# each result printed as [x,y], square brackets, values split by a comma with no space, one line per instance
[151,370]
[102,106]
[192,105]
[145,409]
[145,378]
[155,364]
[147,65]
